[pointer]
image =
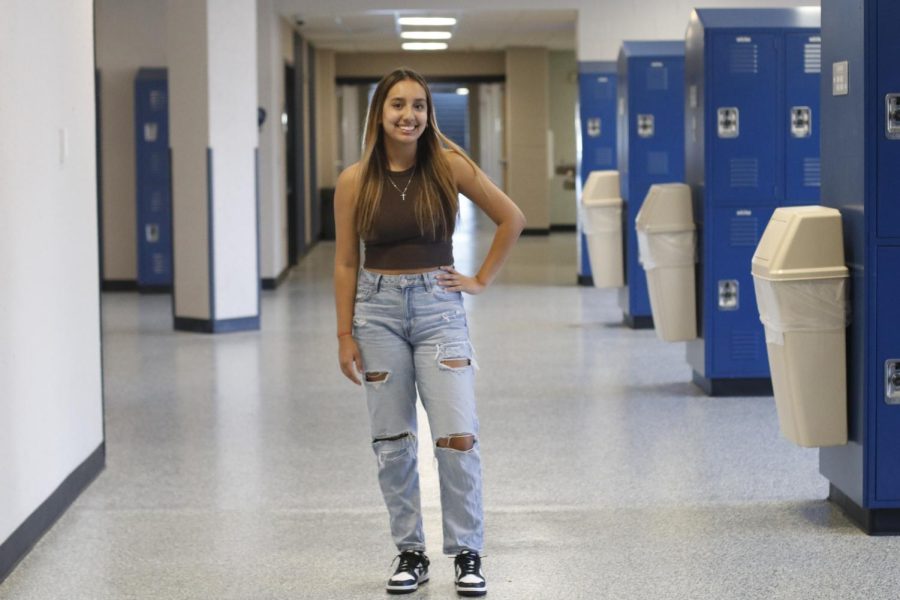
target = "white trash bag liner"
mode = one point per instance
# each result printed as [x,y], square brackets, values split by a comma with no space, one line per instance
[672,249]
[801,305]
[601,216]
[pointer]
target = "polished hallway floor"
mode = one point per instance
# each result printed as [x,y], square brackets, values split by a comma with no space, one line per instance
[239,465]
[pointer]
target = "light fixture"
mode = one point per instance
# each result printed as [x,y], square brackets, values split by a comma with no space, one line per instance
[427,21]
[424,45]
[426,35]
[463,91]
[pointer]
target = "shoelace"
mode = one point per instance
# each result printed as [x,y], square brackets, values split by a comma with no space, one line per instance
[468,564]
[408,561]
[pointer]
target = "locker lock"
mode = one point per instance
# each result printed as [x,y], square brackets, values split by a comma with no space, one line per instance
[645,126]
[729,118]
[892,116]
[729,294]
[801,121]
[892,381]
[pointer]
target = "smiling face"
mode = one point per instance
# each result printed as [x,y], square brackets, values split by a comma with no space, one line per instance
[405,113]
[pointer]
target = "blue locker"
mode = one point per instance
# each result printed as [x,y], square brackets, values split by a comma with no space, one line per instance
[751,145]
[596,136]
[650,148]
[153,181]
[860,97]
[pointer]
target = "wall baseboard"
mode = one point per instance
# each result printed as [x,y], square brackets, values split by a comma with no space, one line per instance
[271,283]
[219,326]
[29,533]
[556,228]
[536,231]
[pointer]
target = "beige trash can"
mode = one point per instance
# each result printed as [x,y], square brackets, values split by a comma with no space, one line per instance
[667,251]
[601,220]
[801,290]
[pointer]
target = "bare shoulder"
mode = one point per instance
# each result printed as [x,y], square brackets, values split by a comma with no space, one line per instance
[348,176]
[463,168]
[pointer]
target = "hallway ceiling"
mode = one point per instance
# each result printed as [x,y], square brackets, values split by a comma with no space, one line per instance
[377,31]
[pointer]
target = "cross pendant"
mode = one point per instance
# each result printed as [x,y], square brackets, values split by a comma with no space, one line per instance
[403,197]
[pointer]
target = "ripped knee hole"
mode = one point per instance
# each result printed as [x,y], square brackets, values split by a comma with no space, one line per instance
[458,441]
[377,376]
[392,438]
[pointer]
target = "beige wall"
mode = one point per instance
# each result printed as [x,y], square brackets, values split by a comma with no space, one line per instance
[443,64]
[326,120]
[129,34]
[527,123]
[564,94]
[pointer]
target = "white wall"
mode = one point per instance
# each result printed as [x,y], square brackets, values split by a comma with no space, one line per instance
[272,151]
[51,416]
[130,34]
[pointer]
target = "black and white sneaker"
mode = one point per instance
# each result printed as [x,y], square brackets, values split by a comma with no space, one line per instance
[412,571]
[469,576]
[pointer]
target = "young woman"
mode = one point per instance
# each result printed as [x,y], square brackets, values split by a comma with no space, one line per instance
[401,325]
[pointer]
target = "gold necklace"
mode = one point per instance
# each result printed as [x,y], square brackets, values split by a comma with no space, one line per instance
[405,187]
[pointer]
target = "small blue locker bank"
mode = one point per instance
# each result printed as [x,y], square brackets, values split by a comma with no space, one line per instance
[650,149]
[751,145]
[596,136]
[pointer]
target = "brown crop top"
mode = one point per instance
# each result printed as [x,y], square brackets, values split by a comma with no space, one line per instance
[395,241]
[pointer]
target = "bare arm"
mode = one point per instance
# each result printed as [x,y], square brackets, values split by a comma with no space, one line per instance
[346,267]
[510,221]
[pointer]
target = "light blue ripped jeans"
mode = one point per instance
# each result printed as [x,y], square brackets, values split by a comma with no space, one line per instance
[405,326]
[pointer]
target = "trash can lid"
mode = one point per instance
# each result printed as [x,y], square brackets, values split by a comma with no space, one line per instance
[801,242]
[667,208]
[601,184]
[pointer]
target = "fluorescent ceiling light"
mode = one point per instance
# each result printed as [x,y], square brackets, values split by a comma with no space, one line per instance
[462,91]
[424,46]
[426,35]
[427,21]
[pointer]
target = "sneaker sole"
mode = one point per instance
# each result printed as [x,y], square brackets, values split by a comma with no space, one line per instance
[397,590]
[471,592]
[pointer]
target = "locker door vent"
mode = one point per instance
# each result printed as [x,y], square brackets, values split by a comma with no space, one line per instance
[658,163]
[744,232]
[812,172]
[744,59]
[156,201]
[156,163]
[744,173]
[158,100]
[658,79]
[812,58]
[745,345]
[603,157]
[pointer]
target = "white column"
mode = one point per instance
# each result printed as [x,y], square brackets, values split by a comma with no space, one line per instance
[272,147]
[212,49]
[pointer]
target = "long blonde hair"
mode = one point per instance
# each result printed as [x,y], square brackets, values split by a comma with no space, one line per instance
[437,205]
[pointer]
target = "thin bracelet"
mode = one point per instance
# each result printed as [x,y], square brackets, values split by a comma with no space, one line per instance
[340,335]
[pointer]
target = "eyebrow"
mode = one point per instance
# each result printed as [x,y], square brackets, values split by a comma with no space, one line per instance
[404,99]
